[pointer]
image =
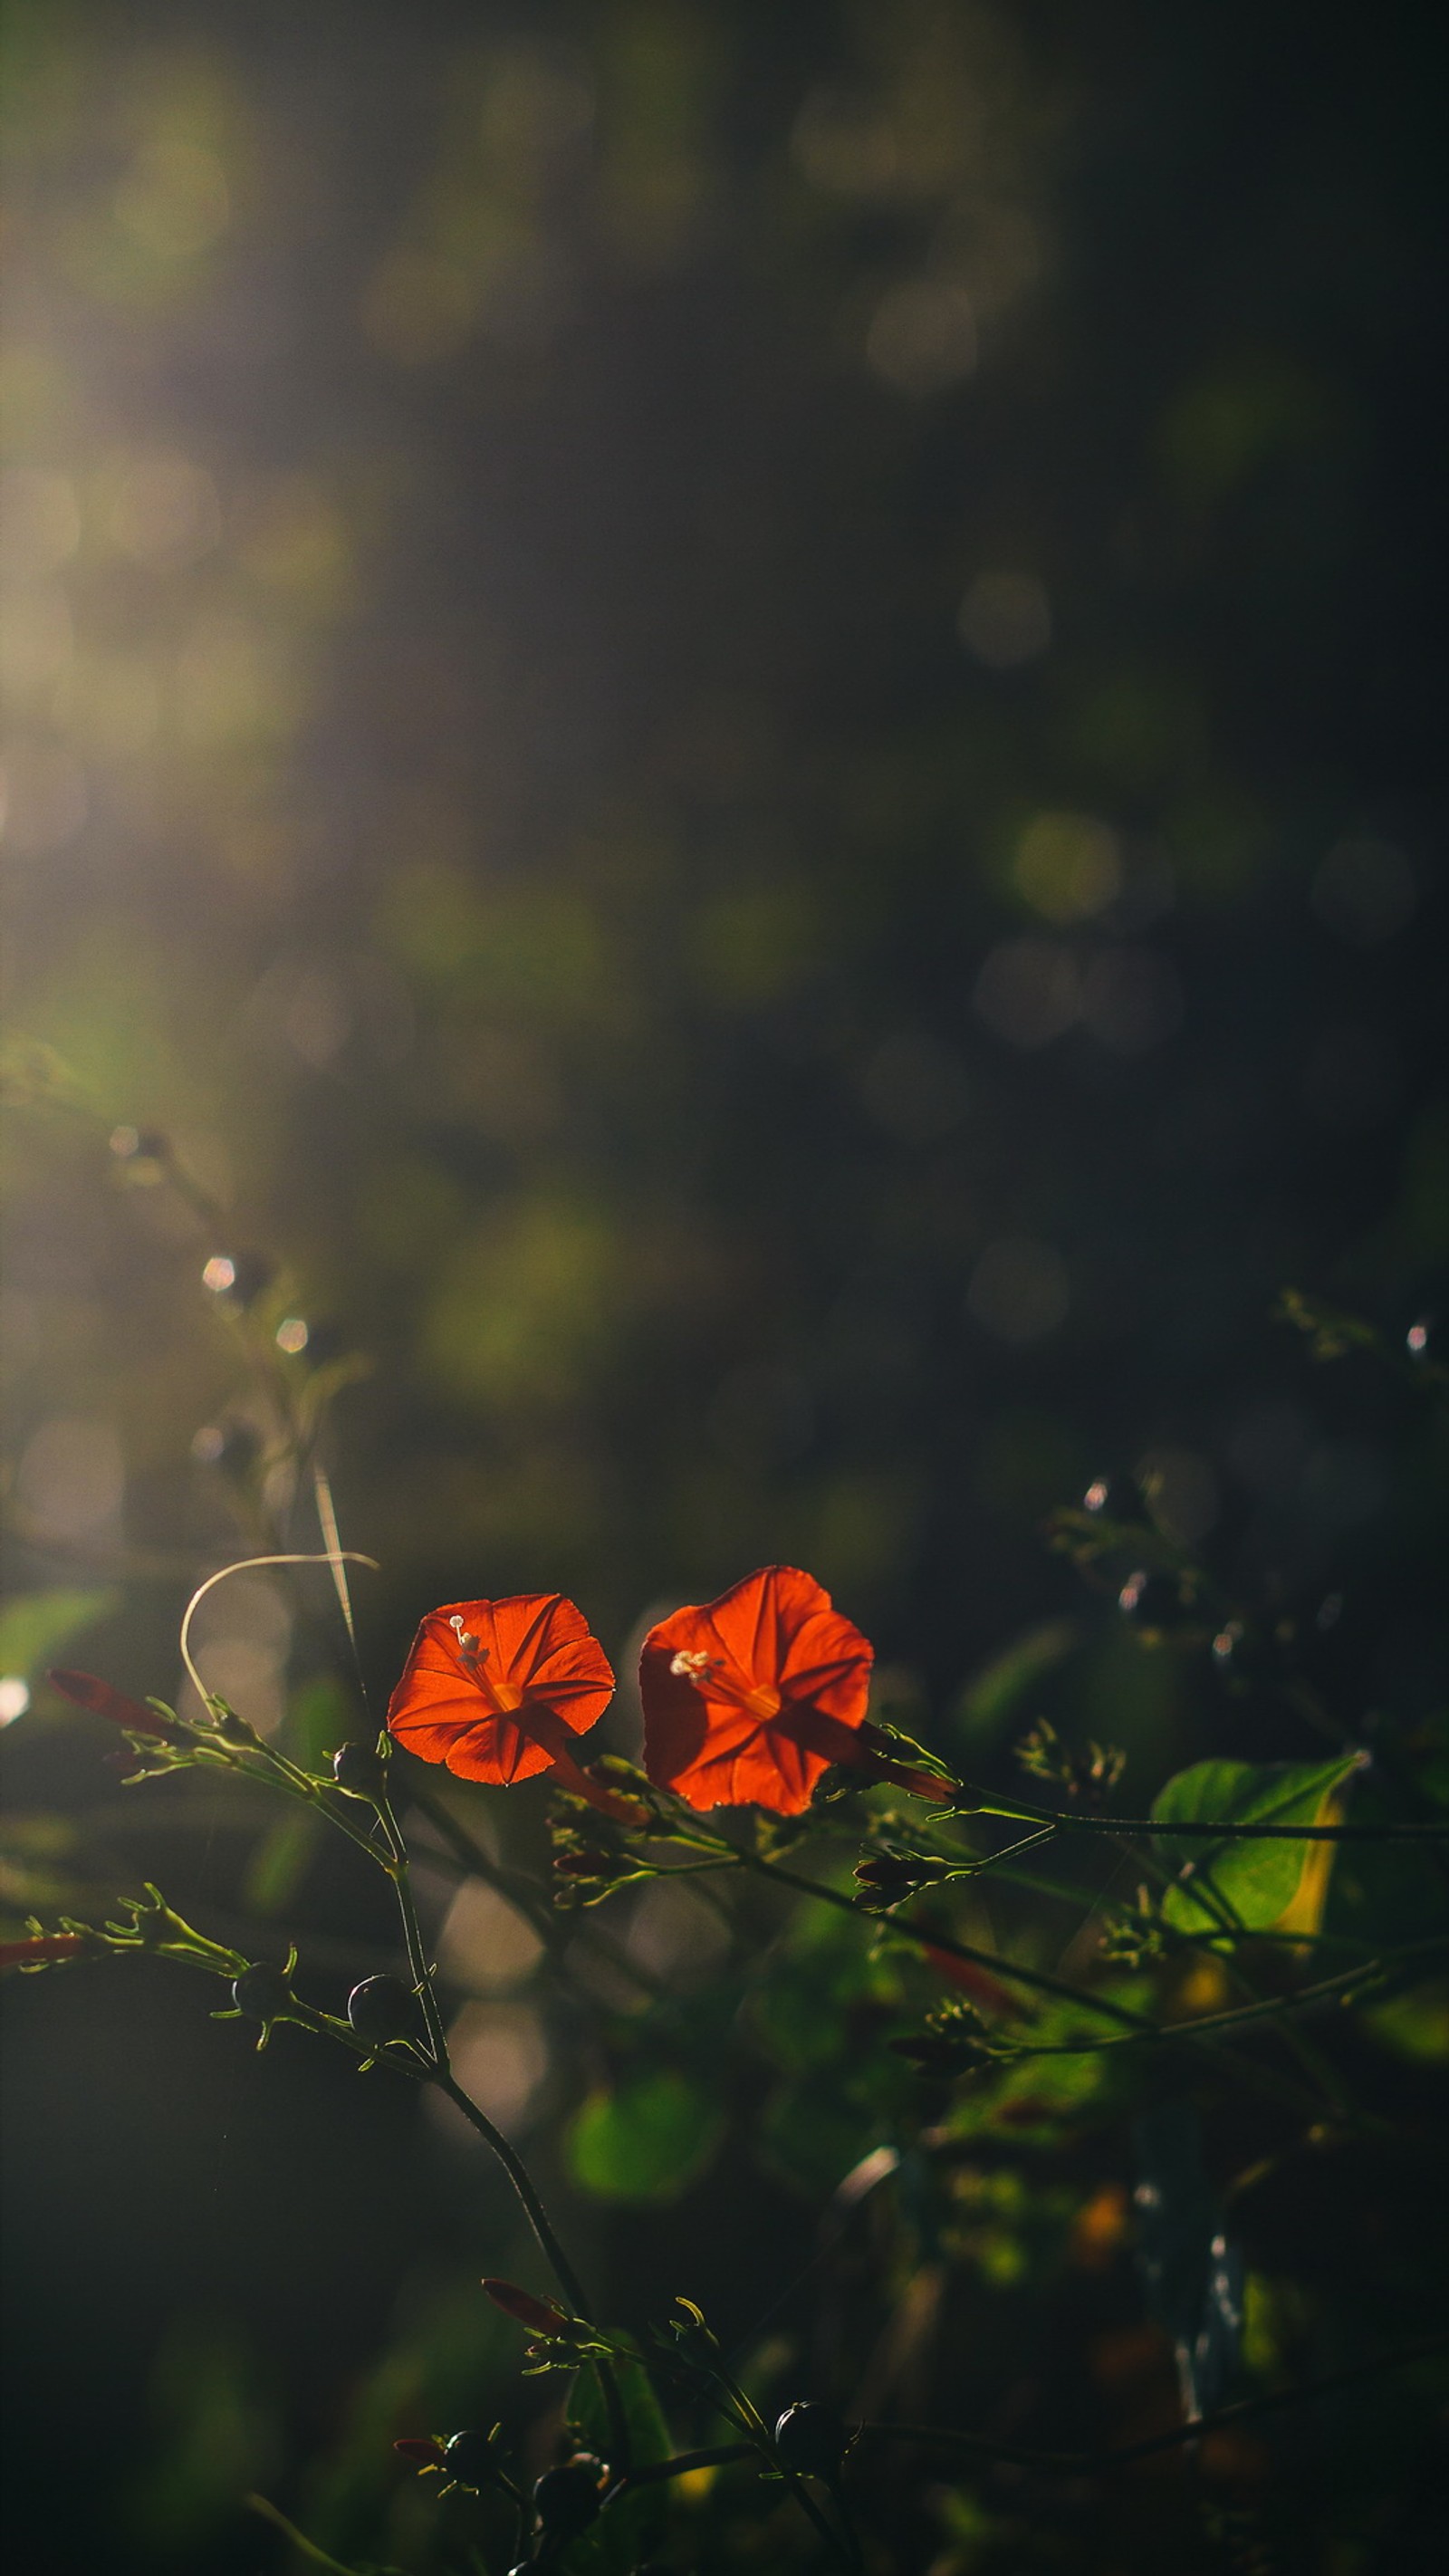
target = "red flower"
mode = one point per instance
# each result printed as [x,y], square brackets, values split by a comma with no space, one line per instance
[498,1689]
[748,1699]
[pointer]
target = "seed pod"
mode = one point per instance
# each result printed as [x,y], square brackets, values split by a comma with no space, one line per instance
[359,1768]
[382,2008]
[566,2500]
[261,1993]
[811,2440]
[471,2460]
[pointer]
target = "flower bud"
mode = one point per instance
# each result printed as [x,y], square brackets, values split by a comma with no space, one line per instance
[261,1993]
[89,1691]
[885,1874]
[382,2008]
[232,1727]
[539,2315]
[566,2500]
[811,2440]
[423,2451]
[1115,1498]
[359,1768]
[887,1877]
[39,1948]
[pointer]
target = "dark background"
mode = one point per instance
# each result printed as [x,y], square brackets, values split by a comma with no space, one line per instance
[732,713]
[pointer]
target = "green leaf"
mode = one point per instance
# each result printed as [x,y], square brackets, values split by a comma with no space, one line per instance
[35,1625]
[646,2141]
[1035,2099]
[1253,1882]
[634,2526]
[588,2416]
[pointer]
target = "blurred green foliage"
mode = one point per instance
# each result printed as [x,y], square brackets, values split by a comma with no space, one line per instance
[727,718]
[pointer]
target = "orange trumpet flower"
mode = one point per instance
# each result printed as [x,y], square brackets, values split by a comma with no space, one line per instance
[497,1690]
[748,1699]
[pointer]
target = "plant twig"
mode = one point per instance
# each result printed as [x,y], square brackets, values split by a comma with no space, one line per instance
[1084,2463]
[1370,1972]
[271,2513]
[1208,1830]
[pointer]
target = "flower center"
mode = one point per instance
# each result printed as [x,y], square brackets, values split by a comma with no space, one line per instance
[712,1682]
[502,1697]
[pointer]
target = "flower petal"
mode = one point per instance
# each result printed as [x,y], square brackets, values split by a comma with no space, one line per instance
[496,1750]
[534,1649]
[776,1634]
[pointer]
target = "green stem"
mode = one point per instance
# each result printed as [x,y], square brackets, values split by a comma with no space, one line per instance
[1260,2078]
[1309,2057]
[1372,1972]
[522,2181]
[309,2550]
[530,1898]
[1036,1980]
[1209,1831]
[398,1872]
[538,2219]
[717,2455]
[1083,2463]
[284,1775]
[848,2530]
[837,2547]
[520,1890]
[738,2407]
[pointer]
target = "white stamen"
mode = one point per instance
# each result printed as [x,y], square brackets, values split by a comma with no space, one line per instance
[689,1667]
